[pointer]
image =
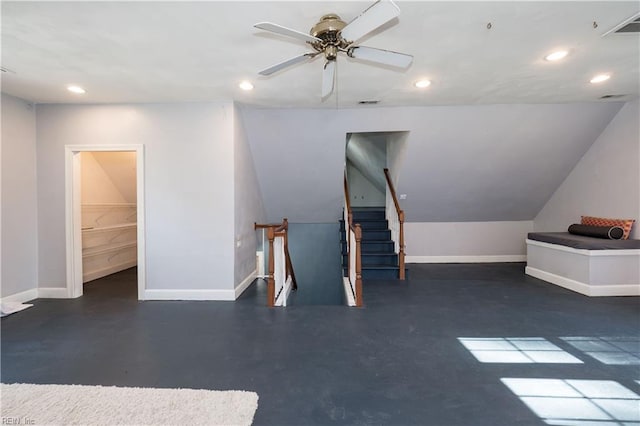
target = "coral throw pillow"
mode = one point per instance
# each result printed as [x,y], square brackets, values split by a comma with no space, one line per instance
[625,224]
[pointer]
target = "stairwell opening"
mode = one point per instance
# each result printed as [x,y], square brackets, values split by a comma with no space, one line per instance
[367,155]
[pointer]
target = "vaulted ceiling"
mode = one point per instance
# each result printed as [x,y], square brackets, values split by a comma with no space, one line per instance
[200,51]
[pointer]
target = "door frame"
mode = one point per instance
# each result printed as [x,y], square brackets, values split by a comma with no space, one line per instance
[73,214]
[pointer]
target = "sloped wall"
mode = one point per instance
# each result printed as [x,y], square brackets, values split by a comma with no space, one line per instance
[19,227]
[108,177]
[248,207]
[463,163]
[606,181]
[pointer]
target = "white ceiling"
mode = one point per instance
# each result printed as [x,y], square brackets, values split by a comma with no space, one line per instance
[200,51]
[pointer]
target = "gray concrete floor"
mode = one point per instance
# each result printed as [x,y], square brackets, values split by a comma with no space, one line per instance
[397,361]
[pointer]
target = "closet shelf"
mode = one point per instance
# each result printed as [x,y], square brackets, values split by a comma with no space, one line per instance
[107,249]
[109,227]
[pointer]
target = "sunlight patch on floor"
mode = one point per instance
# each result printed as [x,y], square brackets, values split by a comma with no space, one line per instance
[523,350]
[609,350]
[577,402]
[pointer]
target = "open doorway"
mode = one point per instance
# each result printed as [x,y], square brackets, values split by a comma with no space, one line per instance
[105,217]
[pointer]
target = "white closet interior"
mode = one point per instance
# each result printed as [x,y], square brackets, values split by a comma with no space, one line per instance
[109,212]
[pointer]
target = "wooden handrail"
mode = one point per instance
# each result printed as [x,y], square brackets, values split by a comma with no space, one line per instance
[392,190]
[277,230]
[346,192]
[401,254]
[358,234]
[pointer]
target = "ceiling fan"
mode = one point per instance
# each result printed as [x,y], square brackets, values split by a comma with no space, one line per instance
[331,35]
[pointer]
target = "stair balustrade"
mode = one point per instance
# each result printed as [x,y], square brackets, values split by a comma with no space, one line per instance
[354,256]
[281,277]
[395,217]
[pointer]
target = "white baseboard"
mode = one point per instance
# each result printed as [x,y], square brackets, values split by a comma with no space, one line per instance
[351,301]
[171,294]
[22,297]
[240,288]
[467,259]
[53,293]
[112,269]
[583,288]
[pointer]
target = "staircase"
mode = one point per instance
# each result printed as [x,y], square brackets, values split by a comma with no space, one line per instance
[379,260]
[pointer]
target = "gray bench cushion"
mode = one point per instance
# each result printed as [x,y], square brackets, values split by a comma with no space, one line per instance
[582,242]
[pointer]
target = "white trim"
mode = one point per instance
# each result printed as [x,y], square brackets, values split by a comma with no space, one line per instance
[53,293]
[351,301]
[582,288]
[244,284]
[73,214]
[153,294]
[467,259]
[282,299]
[23,296]
[584,252]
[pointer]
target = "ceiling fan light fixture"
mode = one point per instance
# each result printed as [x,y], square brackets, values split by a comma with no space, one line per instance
[422,84]
[245,85]
[600,78]
[556,56]
[76,89]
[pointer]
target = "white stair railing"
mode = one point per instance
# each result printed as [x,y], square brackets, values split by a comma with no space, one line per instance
[395,218]
[353,235]
[280,279]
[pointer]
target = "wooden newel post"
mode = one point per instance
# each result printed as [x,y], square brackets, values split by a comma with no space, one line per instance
[401,251]
[271,282]
[358,266]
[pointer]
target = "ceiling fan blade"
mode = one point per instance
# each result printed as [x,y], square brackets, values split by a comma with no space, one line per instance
[279,29]
[328,78]
[288,63]
[376,15]
[386,57]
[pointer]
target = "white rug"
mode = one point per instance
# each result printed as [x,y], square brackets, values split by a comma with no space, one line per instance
[98,405]
[8,308]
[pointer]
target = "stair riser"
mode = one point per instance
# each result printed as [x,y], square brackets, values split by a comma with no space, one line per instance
[368,247]
[371,224]
[368,215]
[376,260]
[372,235]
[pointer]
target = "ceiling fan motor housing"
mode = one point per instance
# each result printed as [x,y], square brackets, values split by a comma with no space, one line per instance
[328,30]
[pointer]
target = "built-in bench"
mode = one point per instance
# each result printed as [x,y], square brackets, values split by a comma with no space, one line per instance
[587,265]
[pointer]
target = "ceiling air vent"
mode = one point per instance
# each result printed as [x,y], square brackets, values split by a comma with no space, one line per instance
[612,96]
[630,25]
[367,102]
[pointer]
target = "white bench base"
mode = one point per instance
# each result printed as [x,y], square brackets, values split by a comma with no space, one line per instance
[588,272]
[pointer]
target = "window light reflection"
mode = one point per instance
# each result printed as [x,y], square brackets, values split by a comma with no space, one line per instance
[522,350]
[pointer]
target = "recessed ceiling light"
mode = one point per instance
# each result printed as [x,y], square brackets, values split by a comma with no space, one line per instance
[600,78]
[421,84]
[246,85]
[556,56]
[76,89]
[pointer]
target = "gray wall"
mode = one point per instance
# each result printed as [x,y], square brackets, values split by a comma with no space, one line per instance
[315,255]
[606,181]
[362,191]
[188,181]
[466,241]
[462,164]
[19,226]
[248,207]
